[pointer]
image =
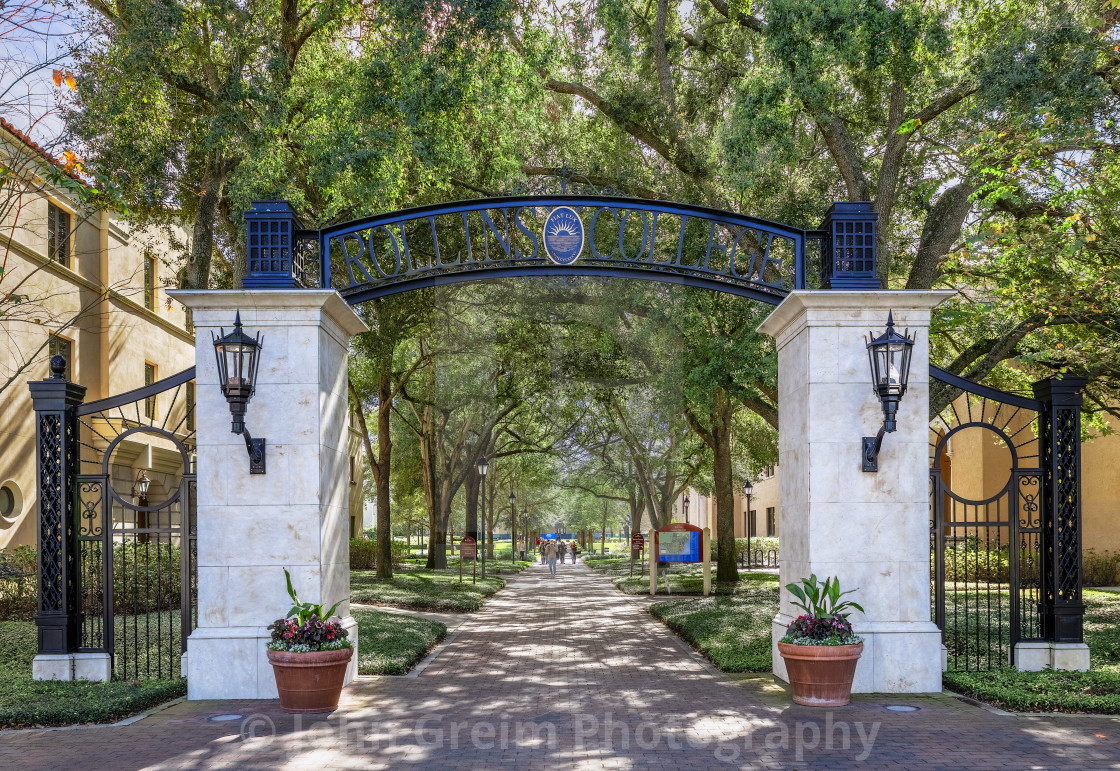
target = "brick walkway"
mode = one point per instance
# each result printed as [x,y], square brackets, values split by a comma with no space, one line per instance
[568,673]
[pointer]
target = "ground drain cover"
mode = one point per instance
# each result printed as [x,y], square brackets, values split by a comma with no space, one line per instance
[224,718]
[902,708]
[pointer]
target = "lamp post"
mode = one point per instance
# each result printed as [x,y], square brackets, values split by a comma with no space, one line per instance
[686,508]
[483,467]
[513,528]
[889,357]
[748,488]
[238,357]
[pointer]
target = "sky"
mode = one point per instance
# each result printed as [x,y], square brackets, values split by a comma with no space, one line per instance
[36,37]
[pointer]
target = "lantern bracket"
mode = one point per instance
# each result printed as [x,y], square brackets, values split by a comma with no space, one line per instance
[256,452]
[871,447]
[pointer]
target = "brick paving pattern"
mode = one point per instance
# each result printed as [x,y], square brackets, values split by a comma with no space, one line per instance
[566,672]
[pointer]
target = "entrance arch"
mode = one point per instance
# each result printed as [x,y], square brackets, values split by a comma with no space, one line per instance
[299,291]
[300,283]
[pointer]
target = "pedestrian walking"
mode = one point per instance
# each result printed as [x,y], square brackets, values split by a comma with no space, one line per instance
[550,550]
[563,551]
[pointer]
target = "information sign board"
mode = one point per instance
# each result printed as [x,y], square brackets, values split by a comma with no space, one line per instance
[467,549]
[637,542]
[677,542]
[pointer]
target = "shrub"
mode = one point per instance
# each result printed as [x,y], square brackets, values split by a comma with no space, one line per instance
[969,560]
[146,577]
[1100,568]
[363,553]
[18,568]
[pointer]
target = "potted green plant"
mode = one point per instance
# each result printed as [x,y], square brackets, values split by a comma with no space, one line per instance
[820,649]
[309,654]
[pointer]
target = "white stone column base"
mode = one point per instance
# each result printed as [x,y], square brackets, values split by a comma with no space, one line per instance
[53,666]
[898,656]
[1037,655]
[232,662]
[67,667]
[95,667]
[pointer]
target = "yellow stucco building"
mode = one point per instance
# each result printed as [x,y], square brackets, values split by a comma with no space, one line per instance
[92,288]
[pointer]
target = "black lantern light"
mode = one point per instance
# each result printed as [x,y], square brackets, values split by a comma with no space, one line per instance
[140,488]
[686,508]
[889,356]
[238,357]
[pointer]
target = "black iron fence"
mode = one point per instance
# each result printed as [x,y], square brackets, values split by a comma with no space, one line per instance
[992,521]
[122,528]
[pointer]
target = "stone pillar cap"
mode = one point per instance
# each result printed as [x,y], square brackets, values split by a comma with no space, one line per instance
[328,300]
[800,300]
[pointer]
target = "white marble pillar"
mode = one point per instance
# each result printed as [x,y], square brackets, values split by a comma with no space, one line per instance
[251,527]
[869,529]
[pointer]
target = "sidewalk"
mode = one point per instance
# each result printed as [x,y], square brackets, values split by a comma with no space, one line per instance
[566,672]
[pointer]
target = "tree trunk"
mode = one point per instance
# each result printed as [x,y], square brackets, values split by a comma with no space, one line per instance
[384,454]
[202,235]
[725,496]
[471,488]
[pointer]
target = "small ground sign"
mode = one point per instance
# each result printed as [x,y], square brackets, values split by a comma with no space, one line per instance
[467,551]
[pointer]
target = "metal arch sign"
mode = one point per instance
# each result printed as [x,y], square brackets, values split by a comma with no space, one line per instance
[560,236]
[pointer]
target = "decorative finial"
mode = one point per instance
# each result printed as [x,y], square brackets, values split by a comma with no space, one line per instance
[237,320]
[58,365]
[890,318]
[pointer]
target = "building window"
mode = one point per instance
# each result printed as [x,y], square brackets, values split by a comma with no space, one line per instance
[11,502]
[190,405]
[58,235]
[771,522]
[60,346]
[752,524]
[149,378]
[149,282]
[353,469]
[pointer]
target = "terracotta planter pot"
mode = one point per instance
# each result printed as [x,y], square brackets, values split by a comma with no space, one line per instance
[821,675]
[310,682]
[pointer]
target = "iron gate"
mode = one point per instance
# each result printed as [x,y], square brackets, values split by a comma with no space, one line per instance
[1005,555]
[124,554]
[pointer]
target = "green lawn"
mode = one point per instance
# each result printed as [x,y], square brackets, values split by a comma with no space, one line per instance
[1097,690]
[392,644]
[413,586]
[25,703]
[684,579]
[731,632]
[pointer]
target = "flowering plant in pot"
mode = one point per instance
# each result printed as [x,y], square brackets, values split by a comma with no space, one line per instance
[820,649]
[309,653]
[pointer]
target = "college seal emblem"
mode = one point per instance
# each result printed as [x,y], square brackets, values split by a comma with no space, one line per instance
[563,235]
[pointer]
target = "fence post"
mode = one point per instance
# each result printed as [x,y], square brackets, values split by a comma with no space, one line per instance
[1060,460]
[56,452]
